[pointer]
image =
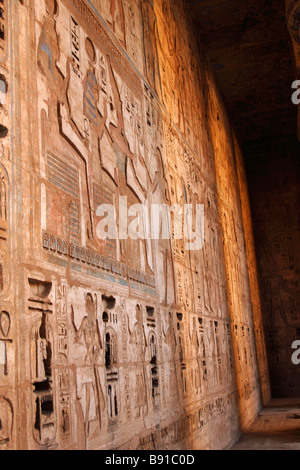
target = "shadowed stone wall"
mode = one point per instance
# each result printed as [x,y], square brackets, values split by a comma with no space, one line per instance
[274,176]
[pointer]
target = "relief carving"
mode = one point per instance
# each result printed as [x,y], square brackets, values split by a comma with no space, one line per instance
[6,424]
[89,347]
[5,325]
[140,332]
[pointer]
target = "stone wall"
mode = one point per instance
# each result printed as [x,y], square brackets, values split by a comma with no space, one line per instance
[120,343]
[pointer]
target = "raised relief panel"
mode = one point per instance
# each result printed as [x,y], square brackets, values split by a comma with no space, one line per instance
[60,76]
[63,203]
[131,109]
[87,351]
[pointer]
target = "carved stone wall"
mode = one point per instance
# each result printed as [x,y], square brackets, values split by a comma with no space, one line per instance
[8,327]
[240,267]
[120,343]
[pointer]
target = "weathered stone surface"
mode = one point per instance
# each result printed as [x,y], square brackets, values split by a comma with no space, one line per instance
[120,343]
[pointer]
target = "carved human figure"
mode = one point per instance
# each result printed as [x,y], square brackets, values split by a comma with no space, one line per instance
[89,390]
[91,87]
[138,339]
[163,252]
[49,54]
[274,287]
[112,11]
[152,69]
[88,333]
[62,83]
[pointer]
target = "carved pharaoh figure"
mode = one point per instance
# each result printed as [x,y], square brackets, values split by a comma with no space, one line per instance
[163,252]
[89,390]
[88,333]
[49,54]
[138,339]
[60,69]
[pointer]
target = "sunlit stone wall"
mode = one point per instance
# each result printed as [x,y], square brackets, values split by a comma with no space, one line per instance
[123,342]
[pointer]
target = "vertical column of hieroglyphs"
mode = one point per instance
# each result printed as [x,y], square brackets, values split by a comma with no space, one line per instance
[238,289]
[7,320]
[253,277]
[42,413]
